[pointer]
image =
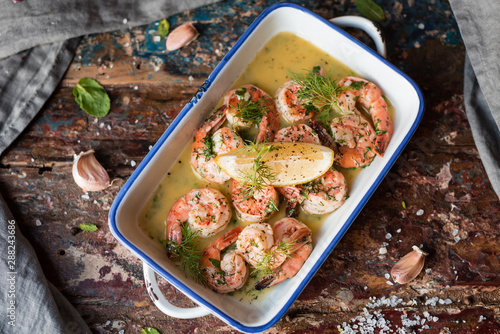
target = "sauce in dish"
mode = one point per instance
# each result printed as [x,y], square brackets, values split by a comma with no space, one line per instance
[247,234]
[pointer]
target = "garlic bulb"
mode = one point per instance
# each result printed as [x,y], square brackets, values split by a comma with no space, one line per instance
[409,266]
[181,36]
[88,172]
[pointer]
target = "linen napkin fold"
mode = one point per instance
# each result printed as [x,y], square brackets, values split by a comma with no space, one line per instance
[479,26]
[38,39]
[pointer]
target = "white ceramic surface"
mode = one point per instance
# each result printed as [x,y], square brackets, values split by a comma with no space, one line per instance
[124,215]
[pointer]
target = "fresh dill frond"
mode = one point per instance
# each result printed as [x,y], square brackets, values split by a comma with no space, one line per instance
[208,150]
[260,174]
[252,111]
[187,254]
[267,262]
[317,89]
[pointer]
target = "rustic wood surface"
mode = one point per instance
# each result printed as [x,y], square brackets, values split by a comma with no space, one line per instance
[451,208]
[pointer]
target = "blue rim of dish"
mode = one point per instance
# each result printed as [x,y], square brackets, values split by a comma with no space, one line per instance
[181,286]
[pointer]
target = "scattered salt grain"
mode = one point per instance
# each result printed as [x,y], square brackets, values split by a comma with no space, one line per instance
[108,127]
[435,319]
[125,21]
[132,163]
[421,26]
[86,196]
[420,212]
[157,39]
[191,78]
[101,125]
[382,250]
[136,87]
[38,222]
[398,230]
[150,147]
[390,283]
[136,121]
[455,232]
[388,236]
[126,45]
[32,160]
[387,276]
[457,239]
[481,318]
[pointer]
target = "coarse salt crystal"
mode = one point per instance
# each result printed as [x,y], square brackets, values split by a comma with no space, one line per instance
[136,87]
[156,39]
[38,222]
[86,196]
[481,318]
[132,163]
[388,236]
[387,276]
[390,283]
[421,26]
[455,232]
[108,127]
[382,250]
[125,21]
[420,212]
[398,230]
[191,78]
[435,319]
[150,147]
[457,238]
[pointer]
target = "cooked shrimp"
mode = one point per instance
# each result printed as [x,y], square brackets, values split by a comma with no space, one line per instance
[300,132]
[370,96]
[254,242]
[356,138]
[320,196]
[228,274]
[290,107]
[210,142]
[248,105]
[295,237]
[206,210]
[256,207]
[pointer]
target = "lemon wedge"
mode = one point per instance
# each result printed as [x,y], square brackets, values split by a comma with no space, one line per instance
[289,163]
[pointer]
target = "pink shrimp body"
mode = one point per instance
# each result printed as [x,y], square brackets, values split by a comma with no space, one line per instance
[260,206]
[370,96]
[210,142]
[289,230]
[320,196]
[356,137]
[229,273]
[266,113]
[297,133]
[254,242]
[206,210]
[289,106]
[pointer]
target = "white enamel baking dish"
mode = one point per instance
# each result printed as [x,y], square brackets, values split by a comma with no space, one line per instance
[264,312]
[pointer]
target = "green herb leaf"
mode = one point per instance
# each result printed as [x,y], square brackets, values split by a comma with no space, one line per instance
[370,10]
[216,263]
[88,227]
[163,28]
[92,97]
[149,330]
[404,204]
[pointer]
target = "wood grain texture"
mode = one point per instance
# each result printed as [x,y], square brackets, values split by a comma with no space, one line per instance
[451,208]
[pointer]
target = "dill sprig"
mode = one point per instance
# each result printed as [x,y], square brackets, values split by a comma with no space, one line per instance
[317,89]
[265,265]
[187,254]
[260,175]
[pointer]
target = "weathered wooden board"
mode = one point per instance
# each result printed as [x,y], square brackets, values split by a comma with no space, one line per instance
[451,208]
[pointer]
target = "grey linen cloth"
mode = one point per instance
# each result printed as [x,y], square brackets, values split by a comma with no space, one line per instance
[480,29]
[38,39]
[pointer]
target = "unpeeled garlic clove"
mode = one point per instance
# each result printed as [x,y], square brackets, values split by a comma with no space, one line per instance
[88,172]
[409,266]
[181,36]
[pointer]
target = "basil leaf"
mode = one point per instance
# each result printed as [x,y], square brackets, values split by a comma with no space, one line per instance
[370,10]
[88,227]
[149,330]
[163,28]
[92,97]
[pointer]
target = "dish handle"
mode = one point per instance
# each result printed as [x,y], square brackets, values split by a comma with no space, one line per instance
[163,305]
[367,26]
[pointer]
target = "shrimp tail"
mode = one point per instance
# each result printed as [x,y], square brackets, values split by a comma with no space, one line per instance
[264,282]
[324,136]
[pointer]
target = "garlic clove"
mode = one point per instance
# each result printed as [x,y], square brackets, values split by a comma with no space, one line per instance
[181,36]
[88,172]
[409,266]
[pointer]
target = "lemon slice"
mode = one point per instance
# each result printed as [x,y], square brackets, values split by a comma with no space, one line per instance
[291,163]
